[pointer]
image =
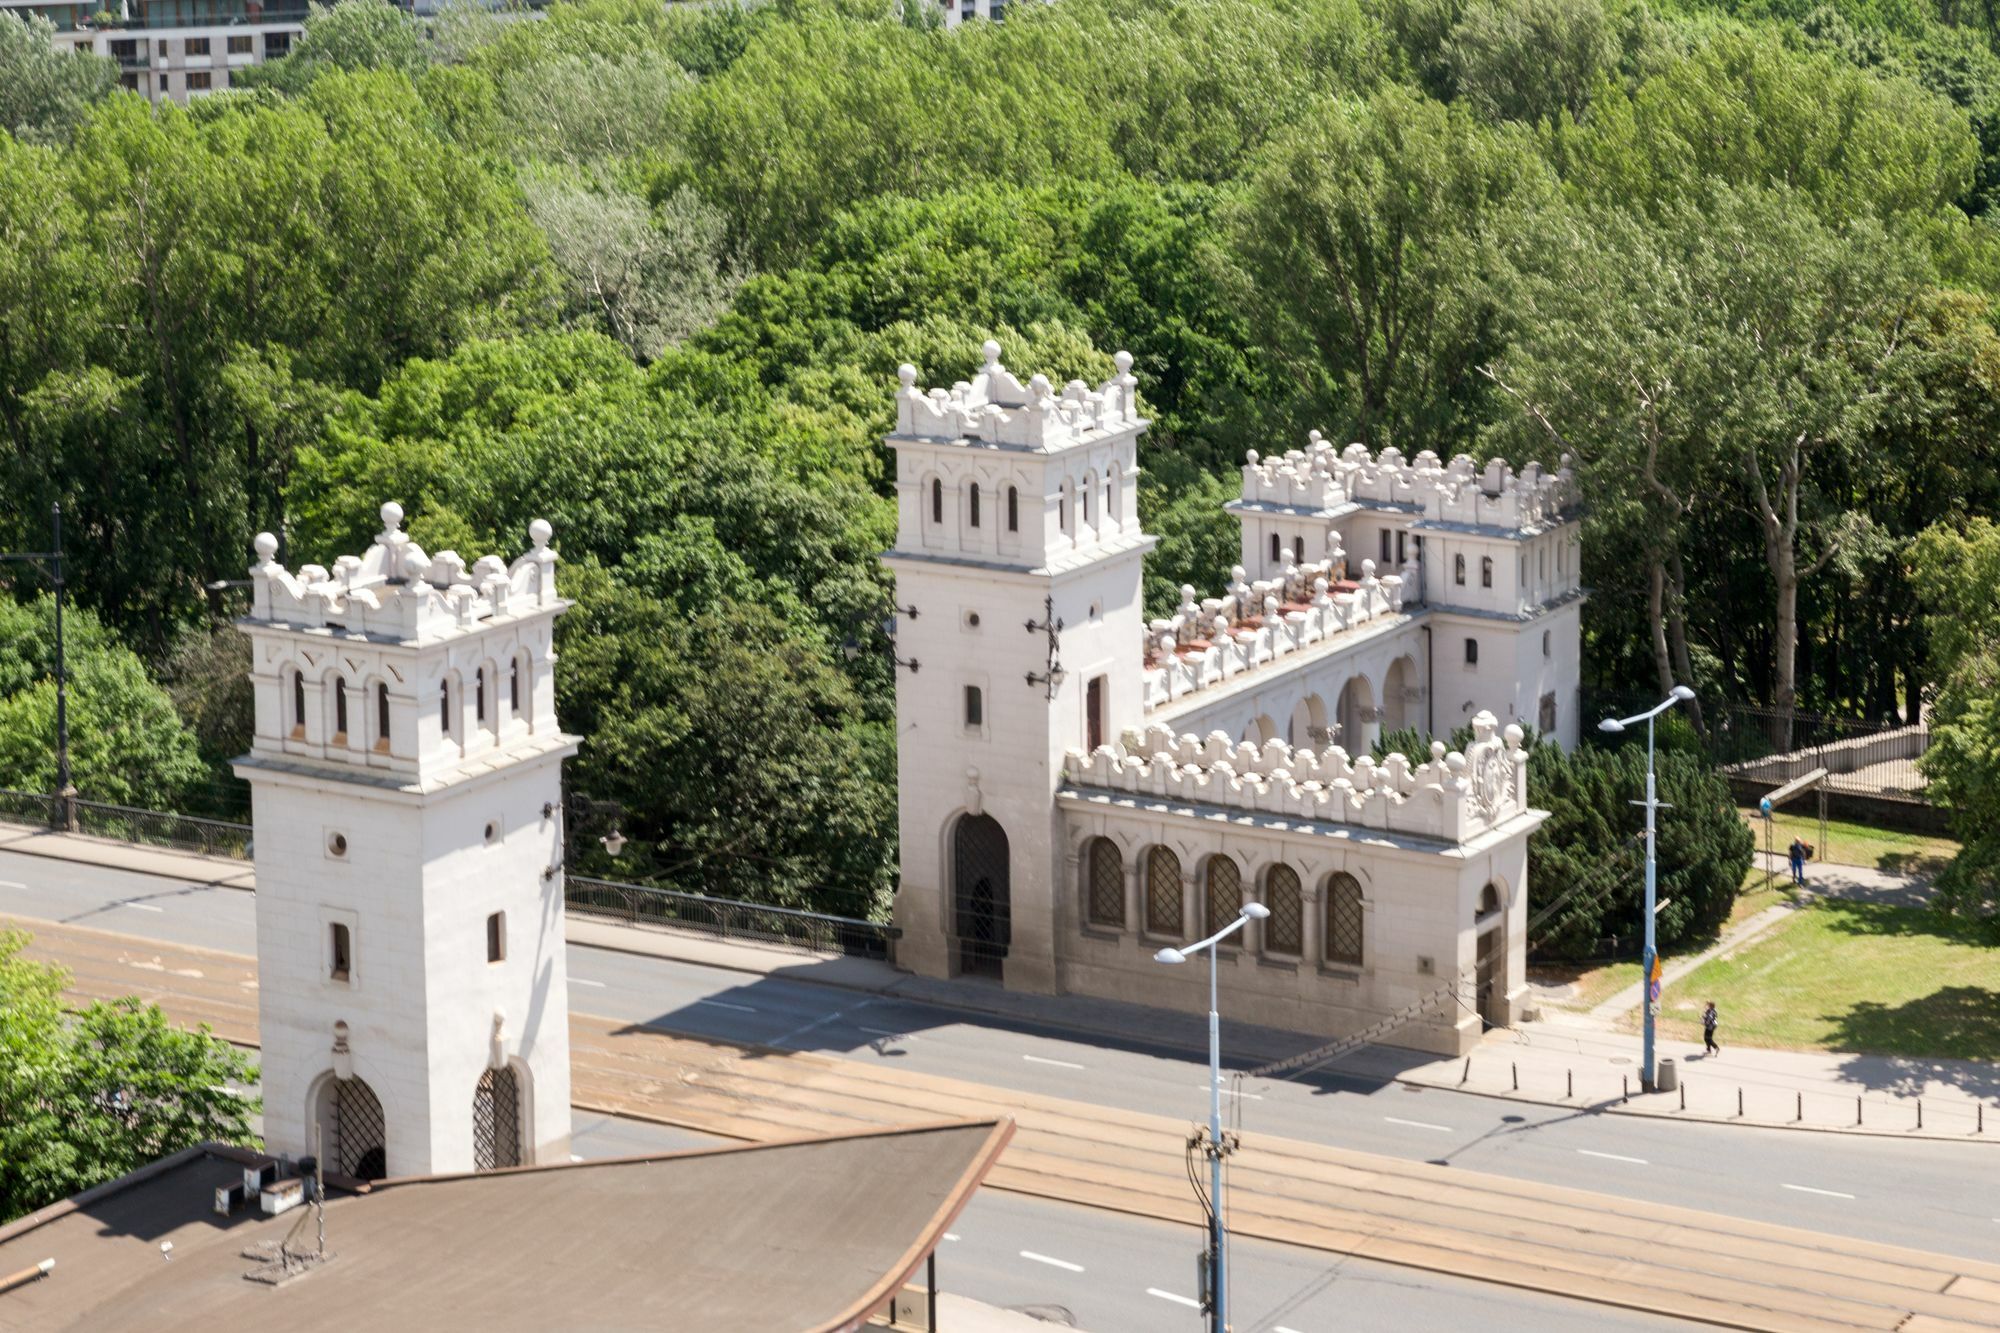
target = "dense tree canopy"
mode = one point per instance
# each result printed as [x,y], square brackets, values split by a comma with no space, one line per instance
[647,271]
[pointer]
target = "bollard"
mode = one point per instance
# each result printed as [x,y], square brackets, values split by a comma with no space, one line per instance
[1571,1094]
[1801,1116]
[1516,1067]
[1468,1072]
[1920,1113]
[1625,1087]
[1684,1096]
[1857,1112]
[1739,1103]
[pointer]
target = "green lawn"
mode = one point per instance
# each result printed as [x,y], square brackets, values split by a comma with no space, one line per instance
[1855,844]
[1860,977]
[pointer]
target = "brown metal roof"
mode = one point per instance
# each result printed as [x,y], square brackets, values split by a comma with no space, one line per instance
[807,1234]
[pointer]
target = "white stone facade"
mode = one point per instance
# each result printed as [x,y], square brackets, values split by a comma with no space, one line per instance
[406,788]
[1077,783]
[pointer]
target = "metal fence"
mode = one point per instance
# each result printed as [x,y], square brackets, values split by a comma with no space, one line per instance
[730,918]
[158,828]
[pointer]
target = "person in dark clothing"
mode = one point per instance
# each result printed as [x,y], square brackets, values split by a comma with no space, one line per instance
[1798,862]
[1708,1021]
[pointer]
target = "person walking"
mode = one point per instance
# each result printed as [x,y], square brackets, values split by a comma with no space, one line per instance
[1798,854]
[1708,1021]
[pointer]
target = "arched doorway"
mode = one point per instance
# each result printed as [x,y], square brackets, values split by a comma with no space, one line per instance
[356,1133]
[1397,688]
[1357,716]
[1490,969]
[496,1120]
[1307,728]
[981,908]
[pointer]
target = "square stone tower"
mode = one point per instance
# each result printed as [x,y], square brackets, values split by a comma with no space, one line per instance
[1017,563]
[406,781]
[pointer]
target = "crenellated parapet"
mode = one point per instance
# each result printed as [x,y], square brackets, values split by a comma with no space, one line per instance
[1452,797]
[1322,478]
[396,592]
[1254,624]
[996,406]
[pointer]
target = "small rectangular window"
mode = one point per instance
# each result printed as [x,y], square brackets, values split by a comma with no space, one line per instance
[496,937]
[1299,549]
[197,46]
[975,708]
[239,45]
[1013,509]
[340,960]
[972,505]
[1472,652]
[1276,549]
[1401,546]
[1385,546]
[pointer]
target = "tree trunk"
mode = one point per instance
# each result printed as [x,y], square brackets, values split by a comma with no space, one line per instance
[1677,637]
[1785,644]
[1656,619]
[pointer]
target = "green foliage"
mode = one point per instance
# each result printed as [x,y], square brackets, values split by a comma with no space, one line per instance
[86,1099]
[347,35]
[1532,60]
[1956,572]
[1704,847]
[46,89]
[127,745]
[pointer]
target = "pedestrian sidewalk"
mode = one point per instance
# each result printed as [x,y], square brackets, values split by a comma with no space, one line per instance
[1567,1059]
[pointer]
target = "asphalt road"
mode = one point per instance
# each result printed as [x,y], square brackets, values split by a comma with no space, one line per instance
[1934,1195]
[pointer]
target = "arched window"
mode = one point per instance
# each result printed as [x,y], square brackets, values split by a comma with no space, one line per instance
[972,505]
[937,501]
[1089,487]
[1111,498]
[1222,885]
[479,695]
[1163,892]
[1105,893]
[1013,509]
[1489,902]
[298,703]
[1284,929]
[1277,548]
[340,709]
[1471,652]
[1343,919]
[1062,508]
[496,1120]
[382,717]
[1299,549]
[514,687]
[1458,570]
[444,706]
[1485,571]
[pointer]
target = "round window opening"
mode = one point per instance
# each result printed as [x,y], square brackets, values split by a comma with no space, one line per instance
[973,620]
[492,830]
[336,845]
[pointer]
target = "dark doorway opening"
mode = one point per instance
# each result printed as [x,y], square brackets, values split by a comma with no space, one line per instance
[981,910]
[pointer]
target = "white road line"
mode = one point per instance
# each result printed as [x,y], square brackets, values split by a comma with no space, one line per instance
[1280,1328]
[579,981]
[1808,1189]
[1613,1156]
[1417,1124]
[1189,1302]
[1231,1092]
[1063,1264]
[724,1004]
[143,907]
[11,884]
[1043,1060]
[951,1235]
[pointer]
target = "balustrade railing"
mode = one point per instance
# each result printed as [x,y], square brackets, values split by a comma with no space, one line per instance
[730,918]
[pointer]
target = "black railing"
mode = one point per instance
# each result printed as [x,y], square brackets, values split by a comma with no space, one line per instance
[159,828]
[730,918]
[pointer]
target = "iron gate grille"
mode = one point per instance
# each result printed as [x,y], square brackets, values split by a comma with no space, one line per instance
[982,911]
[1163,892]
[1107,884]
[358,1131]
[1284,931]
[1343,920]
[1225,892]
[496,1121]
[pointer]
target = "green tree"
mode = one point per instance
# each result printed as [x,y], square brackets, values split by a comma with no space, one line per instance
[45,88]
[127,745]
[1956,571]
[90,1097]
[347,35]
[1532,60]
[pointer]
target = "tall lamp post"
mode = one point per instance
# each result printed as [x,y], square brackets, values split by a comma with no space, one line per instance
[1218,1264]
[1679,694]
[52,563]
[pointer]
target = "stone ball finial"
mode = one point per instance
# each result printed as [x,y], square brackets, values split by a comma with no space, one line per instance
[392,516]
[1250,457]
[907,373]
[266,547]
[1122,360]
[1368,569]
[1513,735]
[1039,384]
[539,533]
[991,351]
[1314,438]
[1187,592]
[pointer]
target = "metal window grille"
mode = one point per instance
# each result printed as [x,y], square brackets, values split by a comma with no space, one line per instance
[1284,929]
[358,1131]
[1343,920]
[1107,884]
[1163,892]
[1225,892]
[496,1121]
[982,910]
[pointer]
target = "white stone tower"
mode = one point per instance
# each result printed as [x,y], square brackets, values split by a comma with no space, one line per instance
[406,780]
[1016,511]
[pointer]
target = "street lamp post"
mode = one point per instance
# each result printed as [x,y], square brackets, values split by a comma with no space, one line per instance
[1218,1264]
[52,561]
[1679,694]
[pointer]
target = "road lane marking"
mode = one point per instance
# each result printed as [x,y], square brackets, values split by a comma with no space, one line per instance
[11,884]
[724,1004]
[1177,1300]
[579,981]
[1808,1189]
[1044,1060]
[1417,1124]
[1247,1096]
[143,907]
[1613,1156]
[1280,1328]
[1063,1264]
[951,1235]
